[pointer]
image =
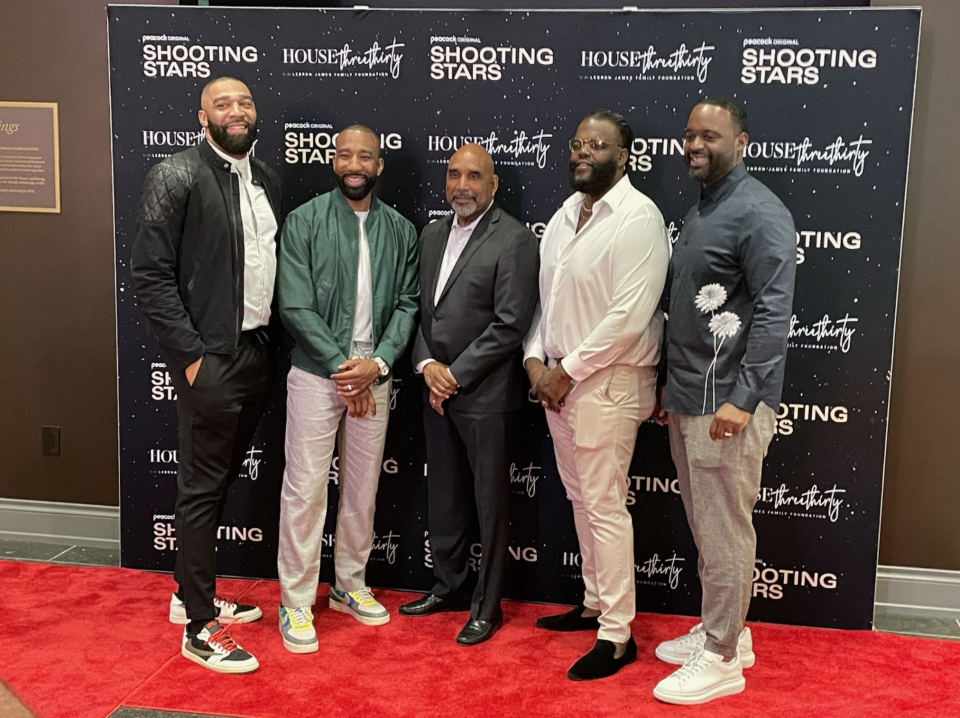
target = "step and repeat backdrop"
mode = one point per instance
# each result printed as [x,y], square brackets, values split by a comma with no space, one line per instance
[830,97]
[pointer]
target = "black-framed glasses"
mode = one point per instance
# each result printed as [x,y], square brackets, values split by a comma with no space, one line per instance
[596,145]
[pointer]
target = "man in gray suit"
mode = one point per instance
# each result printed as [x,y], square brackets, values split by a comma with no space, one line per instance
[478,278]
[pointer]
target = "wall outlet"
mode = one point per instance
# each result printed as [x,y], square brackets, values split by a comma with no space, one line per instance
[50,436]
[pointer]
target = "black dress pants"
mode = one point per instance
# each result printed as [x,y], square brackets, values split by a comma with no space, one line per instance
[468,478]
[216,419]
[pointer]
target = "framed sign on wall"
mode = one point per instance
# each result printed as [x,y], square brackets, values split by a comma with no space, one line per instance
[29,157]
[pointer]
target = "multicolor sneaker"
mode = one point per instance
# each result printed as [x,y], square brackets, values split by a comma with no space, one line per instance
[678,650]
[296,628]
[359,604]
[227,611]
[214,649]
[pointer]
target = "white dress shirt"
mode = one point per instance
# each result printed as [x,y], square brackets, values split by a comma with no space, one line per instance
[600,287]
[259,244]
[456,241]
[363,313]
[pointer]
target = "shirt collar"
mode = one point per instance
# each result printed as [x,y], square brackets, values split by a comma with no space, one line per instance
[242,165]
[722,187]
[612,198]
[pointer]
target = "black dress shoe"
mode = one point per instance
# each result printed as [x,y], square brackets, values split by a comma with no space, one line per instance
[477,631]
[600,663]
[572,620]
[430,604]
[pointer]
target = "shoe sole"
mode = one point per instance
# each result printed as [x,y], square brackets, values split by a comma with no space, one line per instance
[223,667]
[575,677]
[746,659]
[434,612]
[250,617]
[728,688]
[298,647]
[365,620]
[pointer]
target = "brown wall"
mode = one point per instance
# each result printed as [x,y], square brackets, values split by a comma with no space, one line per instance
[921,500]
[57,353]
[57,357]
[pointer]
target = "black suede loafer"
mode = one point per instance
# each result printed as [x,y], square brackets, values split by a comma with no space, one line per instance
[430,604]
[572,620]
[600,663]
[477,631]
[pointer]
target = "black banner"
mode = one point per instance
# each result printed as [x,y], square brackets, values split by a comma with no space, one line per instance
[830,97]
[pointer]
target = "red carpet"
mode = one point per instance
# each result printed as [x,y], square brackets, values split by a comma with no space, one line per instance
[81,641]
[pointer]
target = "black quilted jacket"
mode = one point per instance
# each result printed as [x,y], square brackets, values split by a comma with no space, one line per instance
[186,264]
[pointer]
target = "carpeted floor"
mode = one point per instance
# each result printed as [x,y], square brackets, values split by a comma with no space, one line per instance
[79,642]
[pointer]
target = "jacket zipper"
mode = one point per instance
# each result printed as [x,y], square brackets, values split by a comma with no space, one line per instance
[238,246]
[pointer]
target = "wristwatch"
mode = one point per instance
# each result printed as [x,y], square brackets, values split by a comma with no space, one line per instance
[384,370]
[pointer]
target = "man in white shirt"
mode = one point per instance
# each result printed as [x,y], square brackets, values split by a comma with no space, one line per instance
[203,265]
[592,364]
[478,274]
[348,292]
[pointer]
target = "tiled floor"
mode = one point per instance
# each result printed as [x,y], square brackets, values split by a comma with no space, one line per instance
[83,555]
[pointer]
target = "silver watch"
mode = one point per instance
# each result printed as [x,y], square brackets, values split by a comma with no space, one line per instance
[384,369]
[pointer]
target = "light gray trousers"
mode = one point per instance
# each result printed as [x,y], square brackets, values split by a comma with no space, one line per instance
[316,418]
[719,483]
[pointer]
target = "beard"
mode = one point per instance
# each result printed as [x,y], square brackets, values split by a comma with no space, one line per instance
[462,210]
[233,144]
[716,168]
[600,177]
[356,193]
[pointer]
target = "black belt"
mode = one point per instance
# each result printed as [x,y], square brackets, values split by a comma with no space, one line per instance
[258,335]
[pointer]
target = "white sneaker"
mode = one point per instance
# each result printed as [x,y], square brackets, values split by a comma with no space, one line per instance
[680,649]
[227,611]
[213,648]
[359,604]
[703,677]
[296,628]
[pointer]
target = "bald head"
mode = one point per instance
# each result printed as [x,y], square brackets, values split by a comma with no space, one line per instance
[471,182]
[476,154]
[229,115]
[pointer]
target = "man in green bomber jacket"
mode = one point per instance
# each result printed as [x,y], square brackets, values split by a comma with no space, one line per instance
[349,293]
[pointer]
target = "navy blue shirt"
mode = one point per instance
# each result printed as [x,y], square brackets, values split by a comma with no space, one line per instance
[730,298]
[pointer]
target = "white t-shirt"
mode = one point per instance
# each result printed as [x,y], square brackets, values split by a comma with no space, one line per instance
[363,317]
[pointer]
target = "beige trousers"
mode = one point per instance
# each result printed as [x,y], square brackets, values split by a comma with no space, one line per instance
[594,436]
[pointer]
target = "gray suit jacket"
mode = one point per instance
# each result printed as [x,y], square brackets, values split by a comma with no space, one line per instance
[484,313]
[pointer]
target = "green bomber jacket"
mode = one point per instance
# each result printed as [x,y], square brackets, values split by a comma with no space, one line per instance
[317,281]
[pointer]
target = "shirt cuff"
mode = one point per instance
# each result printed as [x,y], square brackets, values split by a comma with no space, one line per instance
[744,399]
[577,369]
[418,369]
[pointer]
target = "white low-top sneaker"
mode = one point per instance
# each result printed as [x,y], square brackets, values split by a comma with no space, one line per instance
[359,604]
[678,650]
[296,628]
[703,677]
[213,648]
[227,611]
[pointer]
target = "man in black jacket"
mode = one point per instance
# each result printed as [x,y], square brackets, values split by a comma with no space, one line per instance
[478,295]
[203,267]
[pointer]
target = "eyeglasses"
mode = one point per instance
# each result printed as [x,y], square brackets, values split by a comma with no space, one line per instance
[596,145]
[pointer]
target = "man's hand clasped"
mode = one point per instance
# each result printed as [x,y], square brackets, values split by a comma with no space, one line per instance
[353,382]
[548,386]
[441,383]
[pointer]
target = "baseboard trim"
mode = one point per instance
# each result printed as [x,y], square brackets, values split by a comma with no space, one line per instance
[926,592]
[59,522]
